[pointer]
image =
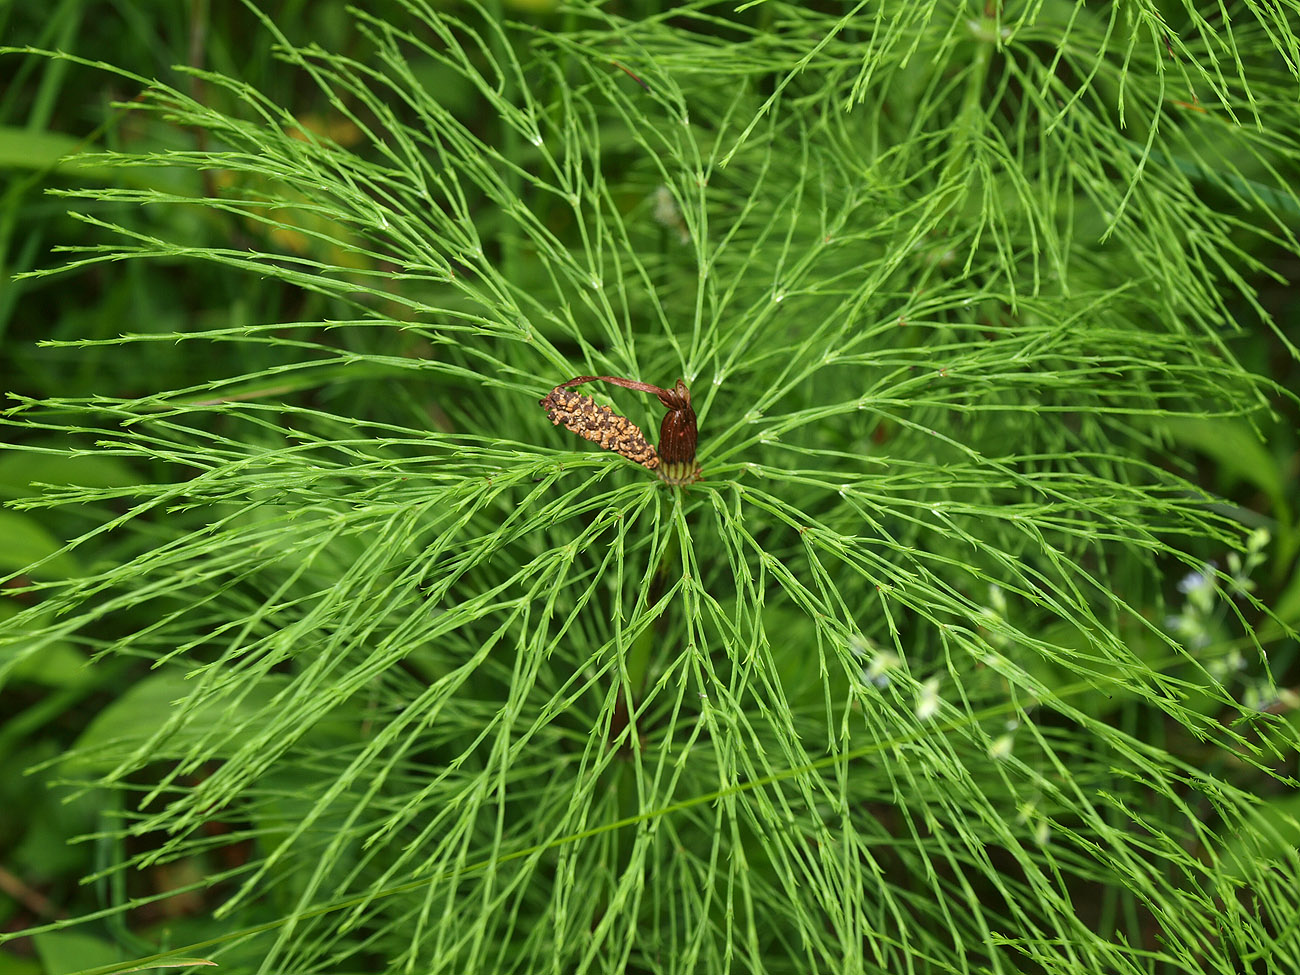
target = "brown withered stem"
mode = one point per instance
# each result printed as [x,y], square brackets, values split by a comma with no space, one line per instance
[675,459]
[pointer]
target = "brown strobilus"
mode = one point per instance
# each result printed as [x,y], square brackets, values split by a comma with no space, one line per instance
[674,461]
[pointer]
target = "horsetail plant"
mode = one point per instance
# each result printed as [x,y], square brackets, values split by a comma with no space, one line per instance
[889,691]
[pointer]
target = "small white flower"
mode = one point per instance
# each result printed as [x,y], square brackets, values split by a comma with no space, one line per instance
[878,670]
[1000,748]
[1196,581]
[996,662]
[927,701]
[1263,697]
[860,646]
[1227,664]
[668,214]
[666,211]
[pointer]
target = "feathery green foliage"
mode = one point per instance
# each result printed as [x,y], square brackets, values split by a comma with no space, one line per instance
[893,688]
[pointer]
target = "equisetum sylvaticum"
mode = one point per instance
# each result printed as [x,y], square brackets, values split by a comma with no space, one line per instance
[674,461]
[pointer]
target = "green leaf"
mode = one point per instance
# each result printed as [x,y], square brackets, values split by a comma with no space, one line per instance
[136,715]
[65,952]
[27,543]
[23,148]
[1238,453]
[55,664]
[1272,848]
[20,472]
[13,964]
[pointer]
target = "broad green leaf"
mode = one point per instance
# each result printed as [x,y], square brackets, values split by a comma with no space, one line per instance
[65,952]
[20,472]
[23,543]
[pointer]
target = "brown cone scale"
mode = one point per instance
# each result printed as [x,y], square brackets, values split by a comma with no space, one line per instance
[599,424]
